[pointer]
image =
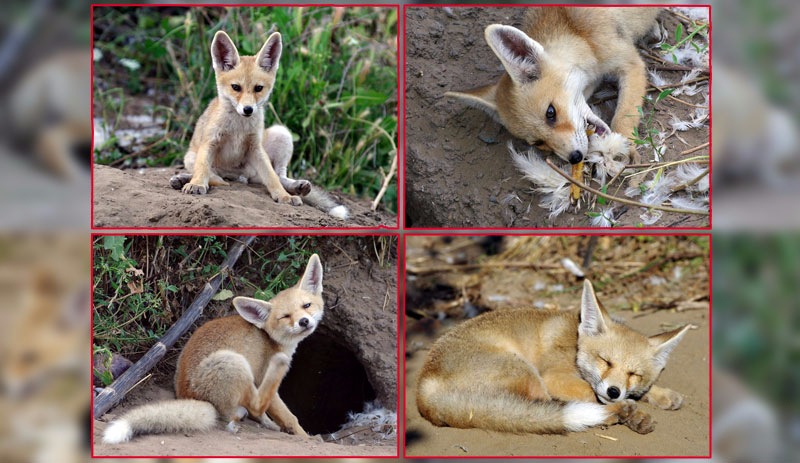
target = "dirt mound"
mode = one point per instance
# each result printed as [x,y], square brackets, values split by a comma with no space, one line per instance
[143,198]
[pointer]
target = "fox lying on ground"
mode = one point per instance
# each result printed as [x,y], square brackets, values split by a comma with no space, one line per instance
[553,68]
[218,367]
[530,370]
[230,141]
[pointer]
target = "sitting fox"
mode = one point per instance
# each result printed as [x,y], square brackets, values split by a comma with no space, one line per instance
[218,367]
[230,141]
[538,371]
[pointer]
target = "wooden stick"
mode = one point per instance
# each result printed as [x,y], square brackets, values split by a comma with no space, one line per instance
[114,393]
[386,181]
[623,200]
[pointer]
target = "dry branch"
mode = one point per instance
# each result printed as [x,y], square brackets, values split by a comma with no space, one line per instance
[114,393]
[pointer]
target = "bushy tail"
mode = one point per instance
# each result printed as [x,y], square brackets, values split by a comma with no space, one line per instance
[323,201]
[504,412]
[162,417]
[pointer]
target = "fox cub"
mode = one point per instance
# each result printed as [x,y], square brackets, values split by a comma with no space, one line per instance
[232,366]
[554,66]
[538,371]
[230,141]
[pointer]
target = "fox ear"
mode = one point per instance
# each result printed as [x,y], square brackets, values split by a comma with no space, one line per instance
[223,52]
[255,311]
[312,278]
[270,53]
[520,54]
[483,98]
[593,320]
[664,343]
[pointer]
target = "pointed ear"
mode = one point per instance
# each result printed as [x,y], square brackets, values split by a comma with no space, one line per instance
[483,98]
[312,278]
[520,54]
[255,311]
[593,320]
[223,52]
[664,343]
[270,53]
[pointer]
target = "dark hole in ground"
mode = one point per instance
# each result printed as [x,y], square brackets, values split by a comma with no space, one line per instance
[325,382]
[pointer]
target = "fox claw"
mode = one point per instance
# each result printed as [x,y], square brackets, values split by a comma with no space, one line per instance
[192,189]
[641,422]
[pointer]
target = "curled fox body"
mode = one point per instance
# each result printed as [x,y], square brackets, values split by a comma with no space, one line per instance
[232,367]
[554,66]
[230,141]
[536,371]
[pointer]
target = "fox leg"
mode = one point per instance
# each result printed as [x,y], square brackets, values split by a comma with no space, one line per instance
[632,86]
[258,400]
[224,378]
[199,163]
[285,418]
[663,398]
[278,145]
[261,170]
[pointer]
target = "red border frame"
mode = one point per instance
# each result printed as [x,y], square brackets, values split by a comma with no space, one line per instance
[399,290]
[406,7]
[710,350]
[400,159]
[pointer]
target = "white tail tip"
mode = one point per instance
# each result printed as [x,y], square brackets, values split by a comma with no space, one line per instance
[339,212]
[117,432]
[581,415]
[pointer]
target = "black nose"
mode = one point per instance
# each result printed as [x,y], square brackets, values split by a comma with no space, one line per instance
[304,323]
[613,392]
[575,157]
[248,110]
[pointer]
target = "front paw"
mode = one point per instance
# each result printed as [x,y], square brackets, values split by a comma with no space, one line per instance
[640,422]
[195,189]
[665,399]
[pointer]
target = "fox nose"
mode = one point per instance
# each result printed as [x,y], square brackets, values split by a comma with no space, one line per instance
[613,392]
[248,110]
[575,157]
[303,322]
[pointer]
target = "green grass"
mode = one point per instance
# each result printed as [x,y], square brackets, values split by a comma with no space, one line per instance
[336,88]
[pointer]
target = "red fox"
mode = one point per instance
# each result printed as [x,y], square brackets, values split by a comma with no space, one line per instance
[218,367]
[555,65]
[538,371]
[230,141]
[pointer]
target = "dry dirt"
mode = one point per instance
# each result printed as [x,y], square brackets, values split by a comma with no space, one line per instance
[142,198]
[459,172]
[650,274]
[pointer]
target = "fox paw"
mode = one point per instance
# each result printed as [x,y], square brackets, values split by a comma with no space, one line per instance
[178,181]
[192,189]
[268,423]
[232,427]
[624,410]
[289,199]
[667,399]
[640,422]
[299,187]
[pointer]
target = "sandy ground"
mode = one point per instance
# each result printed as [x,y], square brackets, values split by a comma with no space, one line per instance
[678,433]
[143,198]
[459,172]
[251,441]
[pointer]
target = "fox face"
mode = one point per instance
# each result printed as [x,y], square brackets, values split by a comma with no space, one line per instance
[292,314]
[540,99]
[616,361]
[245,82]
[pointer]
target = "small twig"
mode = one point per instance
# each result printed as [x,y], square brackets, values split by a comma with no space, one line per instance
[386,181]
[673,66]
[696,148]
[679,84]
[692,182]
[623,200]
[606,437]
[137,153]
[457,268]
[679,100]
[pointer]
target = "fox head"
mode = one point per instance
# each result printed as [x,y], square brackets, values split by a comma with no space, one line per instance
[616,361]
[245,82]
[292,314]
[538,99]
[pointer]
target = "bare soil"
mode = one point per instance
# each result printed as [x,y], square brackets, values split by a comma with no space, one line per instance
[458,169]
[451,279]
[143,198]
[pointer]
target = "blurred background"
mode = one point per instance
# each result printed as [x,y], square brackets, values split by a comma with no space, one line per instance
[45,138]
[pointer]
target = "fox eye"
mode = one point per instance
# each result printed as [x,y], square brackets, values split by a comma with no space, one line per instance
[258,88]
[551,114]
[608,364]
[306,305]
[236,87]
